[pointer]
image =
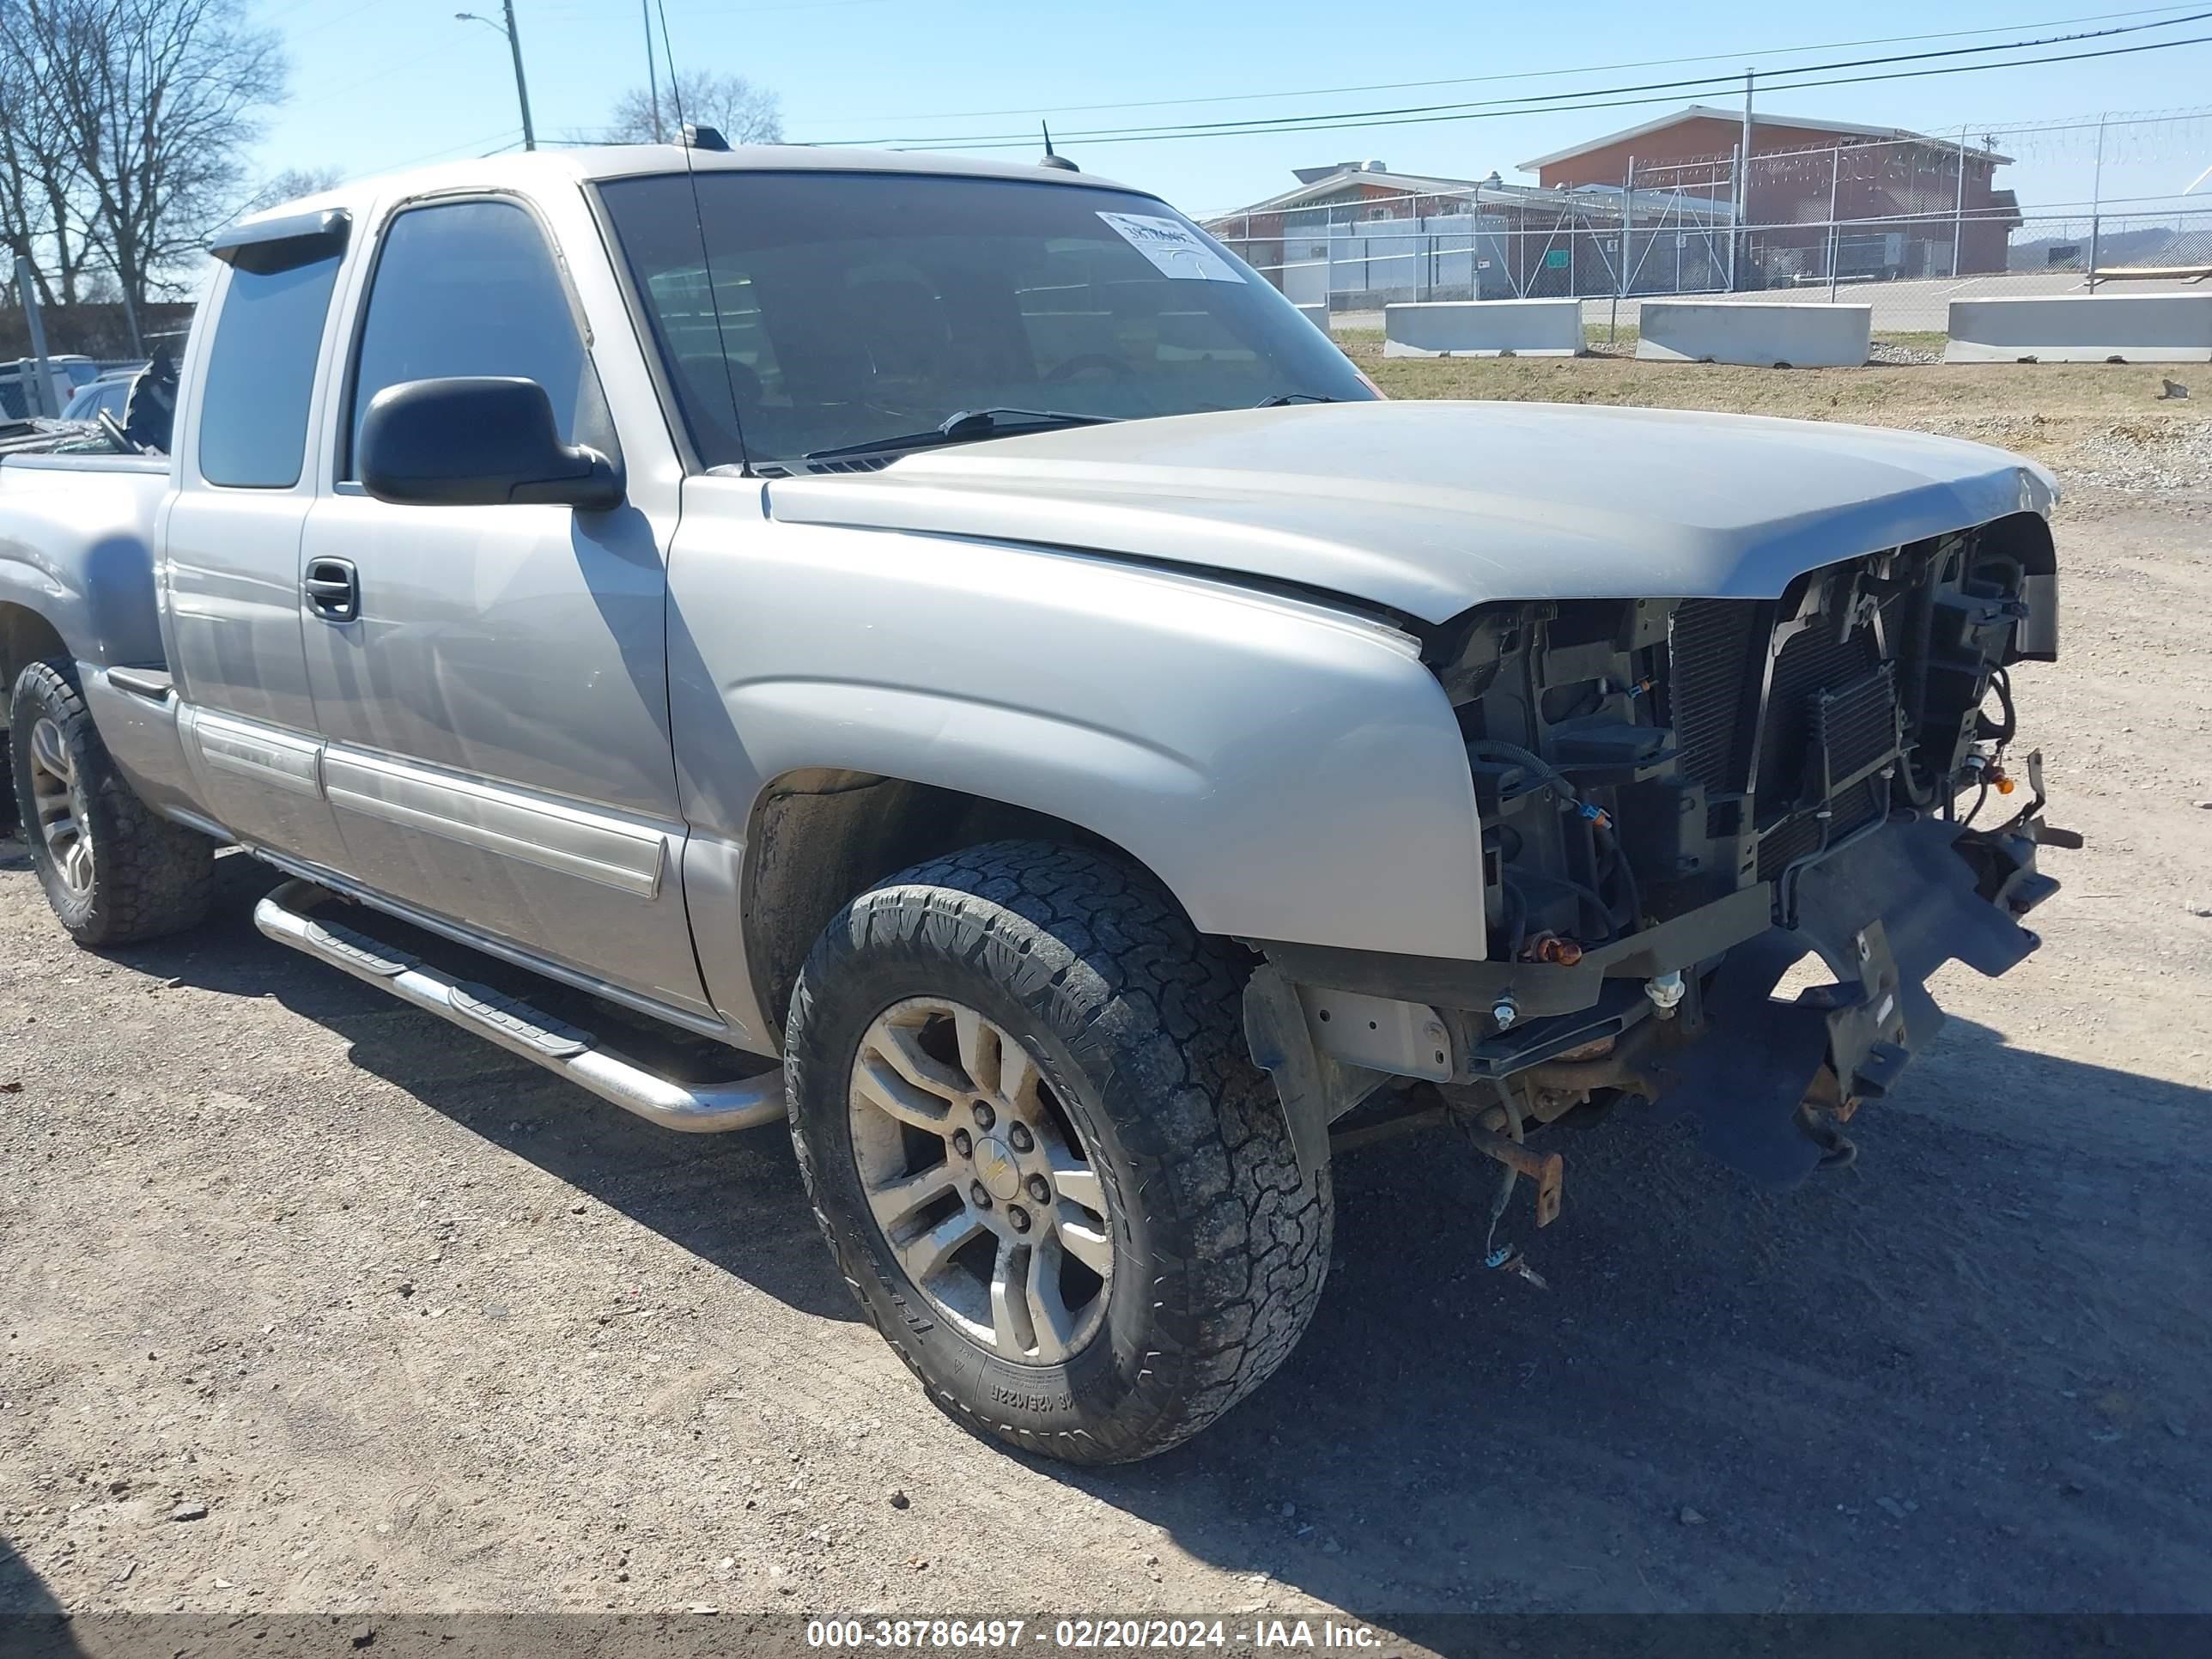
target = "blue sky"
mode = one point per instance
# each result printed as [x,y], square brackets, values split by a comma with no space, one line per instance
[380,83]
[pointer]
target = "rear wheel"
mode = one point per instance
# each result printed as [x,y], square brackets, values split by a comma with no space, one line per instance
[113,871]
[1032,1134]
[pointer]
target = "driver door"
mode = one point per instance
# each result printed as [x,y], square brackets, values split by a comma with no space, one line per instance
[492,680]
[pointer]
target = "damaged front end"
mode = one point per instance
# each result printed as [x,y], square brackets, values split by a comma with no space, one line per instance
[1681,801]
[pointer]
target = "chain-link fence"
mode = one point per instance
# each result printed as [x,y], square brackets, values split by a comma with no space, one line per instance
[1904,223]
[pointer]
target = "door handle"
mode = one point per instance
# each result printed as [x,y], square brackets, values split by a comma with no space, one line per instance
[333,590]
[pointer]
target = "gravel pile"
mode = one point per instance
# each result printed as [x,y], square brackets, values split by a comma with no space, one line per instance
[2163,460]
[1885,351]
[2152,457]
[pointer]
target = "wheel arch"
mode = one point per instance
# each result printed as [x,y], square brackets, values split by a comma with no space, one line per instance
[26,637]
[1285,770]
[819,836]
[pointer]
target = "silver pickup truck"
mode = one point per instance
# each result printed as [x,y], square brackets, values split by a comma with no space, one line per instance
[952,635]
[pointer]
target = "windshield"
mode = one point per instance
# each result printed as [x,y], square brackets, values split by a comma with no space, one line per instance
[856,308]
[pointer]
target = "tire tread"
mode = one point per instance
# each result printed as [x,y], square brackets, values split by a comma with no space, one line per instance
[152,878]
[1097,949]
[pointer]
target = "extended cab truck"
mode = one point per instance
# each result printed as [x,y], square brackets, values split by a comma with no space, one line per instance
[954,634]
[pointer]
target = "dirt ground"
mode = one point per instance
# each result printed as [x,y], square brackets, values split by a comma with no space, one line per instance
[313,1302]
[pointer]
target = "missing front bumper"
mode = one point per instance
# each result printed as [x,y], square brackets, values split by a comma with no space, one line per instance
[1764,1079]
[1882,916]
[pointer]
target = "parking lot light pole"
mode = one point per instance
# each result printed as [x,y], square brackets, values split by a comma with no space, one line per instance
[514,46]
[42,394]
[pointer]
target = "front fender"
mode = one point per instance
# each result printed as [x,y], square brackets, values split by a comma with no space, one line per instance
[1289,771]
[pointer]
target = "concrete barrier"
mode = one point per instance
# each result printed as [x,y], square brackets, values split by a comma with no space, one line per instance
[2082,328]
[1759,333]
[1317,315]
[1484,328]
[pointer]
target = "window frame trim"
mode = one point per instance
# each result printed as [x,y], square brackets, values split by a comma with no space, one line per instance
[634,302]
[342,434]
[201,378]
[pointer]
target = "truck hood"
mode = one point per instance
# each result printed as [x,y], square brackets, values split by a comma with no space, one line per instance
[1429,508]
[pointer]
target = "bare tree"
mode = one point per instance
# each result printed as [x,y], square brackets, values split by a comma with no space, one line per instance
[158,100]
[291,185]
[744,113]
[39,180]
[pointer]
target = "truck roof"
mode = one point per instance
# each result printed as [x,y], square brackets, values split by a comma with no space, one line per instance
[592,163]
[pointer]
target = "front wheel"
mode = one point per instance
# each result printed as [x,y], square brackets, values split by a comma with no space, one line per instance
[1051,1175]
[113,872]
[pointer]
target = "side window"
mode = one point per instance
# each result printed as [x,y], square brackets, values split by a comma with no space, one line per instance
[260,374]
[467,289]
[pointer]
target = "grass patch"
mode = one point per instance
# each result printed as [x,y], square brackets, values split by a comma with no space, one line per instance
[2040,409]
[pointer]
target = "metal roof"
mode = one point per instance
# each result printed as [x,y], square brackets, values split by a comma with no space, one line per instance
[1759,118]
[1598,200]
[1336,179]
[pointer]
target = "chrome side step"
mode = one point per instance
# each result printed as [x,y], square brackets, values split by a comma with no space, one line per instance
[287,915]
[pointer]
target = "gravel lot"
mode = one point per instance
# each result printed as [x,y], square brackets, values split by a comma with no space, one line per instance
[313,1302]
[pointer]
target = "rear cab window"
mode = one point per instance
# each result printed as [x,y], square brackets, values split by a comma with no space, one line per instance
[259,378]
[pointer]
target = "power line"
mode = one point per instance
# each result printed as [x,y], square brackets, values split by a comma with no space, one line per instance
[328,22]
[409,61]
[1595,99]
[1732,57]
[1520,105]
[286,11]
[439,155]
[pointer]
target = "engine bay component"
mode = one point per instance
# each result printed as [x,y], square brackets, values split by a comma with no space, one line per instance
[1681,799]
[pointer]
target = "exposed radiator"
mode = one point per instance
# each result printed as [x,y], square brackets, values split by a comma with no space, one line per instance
[1710,645]
[1826,725]
[1812,660]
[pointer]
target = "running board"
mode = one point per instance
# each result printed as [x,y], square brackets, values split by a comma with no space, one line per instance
[287,915]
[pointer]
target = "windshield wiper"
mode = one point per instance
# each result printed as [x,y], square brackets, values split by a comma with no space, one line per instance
[966,427]
[1282,397]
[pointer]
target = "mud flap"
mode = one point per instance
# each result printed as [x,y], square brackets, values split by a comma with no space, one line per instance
[1882,915]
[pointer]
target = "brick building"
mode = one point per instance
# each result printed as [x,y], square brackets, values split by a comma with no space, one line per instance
[1899,197]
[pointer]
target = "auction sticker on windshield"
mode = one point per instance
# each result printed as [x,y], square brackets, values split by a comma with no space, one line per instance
[1174,247]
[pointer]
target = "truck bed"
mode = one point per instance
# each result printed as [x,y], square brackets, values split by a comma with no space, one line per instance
[77,556]
[77,547]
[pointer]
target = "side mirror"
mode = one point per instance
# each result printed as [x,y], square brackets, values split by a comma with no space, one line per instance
[482,441]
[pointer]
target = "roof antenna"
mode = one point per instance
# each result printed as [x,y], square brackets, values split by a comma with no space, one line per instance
[694,141]
[1052,158]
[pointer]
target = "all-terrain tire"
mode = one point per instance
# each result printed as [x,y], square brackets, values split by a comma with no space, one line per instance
[149,876]
[1133,1018]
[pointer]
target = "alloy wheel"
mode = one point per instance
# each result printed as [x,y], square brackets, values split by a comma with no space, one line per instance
[54,805]
[980,1181]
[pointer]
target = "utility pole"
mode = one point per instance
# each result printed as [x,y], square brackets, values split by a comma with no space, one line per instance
[514,46]
[1628,239]
[521,85]
[2097,205]
[1736,215]
[1742,176]
[1835,230]
[1959,212]
[652,75]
